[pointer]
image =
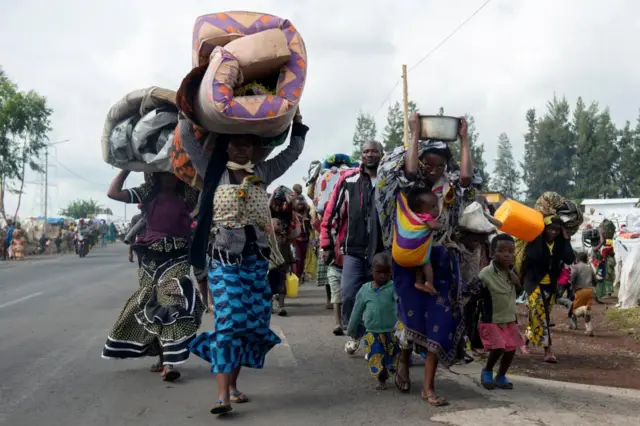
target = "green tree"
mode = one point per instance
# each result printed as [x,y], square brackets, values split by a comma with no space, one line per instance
[506,178]
[549,155]
[393,133]
[365,131]
[477,152]
[84,208]
[529,175]
[627,168]
[24,124]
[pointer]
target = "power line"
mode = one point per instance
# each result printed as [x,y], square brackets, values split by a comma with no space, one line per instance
[75,174]
[432,51]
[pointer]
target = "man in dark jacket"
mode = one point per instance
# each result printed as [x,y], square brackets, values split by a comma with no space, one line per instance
[353,203]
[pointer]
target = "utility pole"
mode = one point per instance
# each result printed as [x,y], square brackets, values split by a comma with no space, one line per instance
[46,179]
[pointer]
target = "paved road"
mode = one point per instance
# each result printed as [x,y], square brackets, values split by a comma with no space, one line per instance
[55,314]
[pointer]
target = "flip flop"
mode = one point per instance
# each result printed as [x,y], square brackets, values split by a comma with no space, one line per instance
[221,407]
[435,400]
[170,374]
[551,359]
[238,397]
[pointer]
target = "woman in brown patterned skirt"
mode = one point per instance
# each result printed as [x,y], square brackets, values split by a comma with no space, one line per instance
[163,315]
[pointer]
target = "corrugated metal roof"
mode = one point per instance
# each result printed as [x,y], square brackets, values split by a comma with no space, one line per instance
[609,201]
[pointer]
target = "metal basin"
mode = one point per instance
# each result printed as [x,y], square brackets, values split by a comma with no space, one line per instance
[439,127]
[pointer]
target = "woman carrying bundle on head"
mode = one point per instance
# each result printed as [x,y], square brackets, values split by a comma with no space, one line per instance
[234,220]
[164,313]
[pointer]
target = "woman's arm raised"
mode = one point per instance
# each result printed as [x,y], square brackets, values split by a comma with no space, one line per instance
[411,159]
[115,191]
[466,162]
[272,169]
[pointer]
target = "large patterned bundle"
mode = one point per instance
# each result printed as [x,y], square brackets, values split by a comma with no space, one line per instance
[323,176]
[256,67]
[325,185]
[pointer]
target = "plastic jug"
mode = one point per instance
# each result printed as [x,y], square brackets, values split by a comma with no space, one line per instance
[292,285]
[519,220]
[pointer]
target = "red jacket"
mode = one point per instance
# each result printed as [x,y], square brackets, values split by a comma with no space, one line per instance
[333,227]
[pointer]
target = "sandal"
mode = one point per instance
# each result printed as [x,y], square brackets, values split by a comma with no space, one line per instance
[550,359]
[220,407]
[157,368]
[170,374]
[403,384]
[238,397]
[435,400]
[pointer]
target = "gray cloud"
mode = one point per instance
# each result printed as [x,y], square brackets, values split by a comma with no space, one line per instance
[512,56]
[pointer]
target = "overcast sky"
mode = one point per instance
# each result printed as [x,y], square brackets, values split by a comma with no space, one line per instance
[513,55]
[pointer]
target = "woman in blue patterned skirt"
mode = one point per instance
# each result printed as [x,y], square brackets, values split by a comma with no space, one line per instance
[234,222]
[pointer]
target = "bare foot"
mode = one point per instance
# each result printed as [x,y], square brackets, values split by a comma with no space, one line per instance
[382,385]
[427,287]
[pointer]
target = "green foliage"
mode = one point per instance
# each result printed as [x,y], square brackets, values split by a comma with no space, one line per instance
[580,155]
[506,178]
[24,124]
[365,131]
[549,156]
[84,208]
[393,133]
[475,147]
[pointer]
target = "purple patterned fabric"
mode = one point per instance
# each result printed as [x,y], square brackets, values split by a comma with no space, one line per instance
[294,71]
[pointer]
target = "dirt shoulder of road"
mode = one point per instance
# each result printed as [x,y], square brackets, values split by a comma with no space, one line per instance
[611,358]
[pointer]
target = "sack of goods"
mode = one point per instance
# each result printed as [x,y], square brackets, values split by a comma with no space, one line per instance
[249,72]
[138,131]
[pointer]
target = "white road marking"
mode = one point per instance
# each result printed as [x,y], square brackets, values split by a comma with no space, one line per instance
[21,299]
[282,353]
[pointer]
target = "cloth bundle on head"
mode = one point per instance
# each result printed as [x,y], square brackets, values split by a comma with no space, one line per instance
[412,238]
[283,193]
[554,205]
[338,160]
[555,208]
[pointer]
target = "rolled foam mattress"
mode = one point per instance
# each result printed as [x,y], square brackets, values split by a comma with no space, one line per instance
[237,48]
[138,131]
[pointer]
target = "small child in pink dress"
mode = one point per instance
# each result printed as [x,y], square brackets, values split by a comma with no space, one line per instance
[498,328]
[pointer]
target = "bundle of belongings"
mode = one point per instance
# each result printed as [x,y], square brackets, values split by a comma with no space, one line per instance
[323,177]
[249,72]
[552,206]
[138,131]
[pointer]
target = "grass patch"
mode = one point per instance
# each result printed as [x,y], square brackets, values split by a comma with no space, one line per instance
[627,320]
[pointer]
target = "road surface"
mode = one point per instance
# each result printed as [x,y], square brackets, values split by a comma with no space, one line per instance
[55,314]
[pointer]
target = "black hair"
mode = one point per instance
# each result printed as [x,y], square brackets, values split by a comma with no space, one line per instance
[414,195]
[444,153]
[582,257]
[498,238]
[376,143]
[382,259]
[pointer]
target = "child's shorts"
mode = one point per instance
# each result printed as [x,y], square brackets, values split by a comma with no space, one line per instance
[500,336]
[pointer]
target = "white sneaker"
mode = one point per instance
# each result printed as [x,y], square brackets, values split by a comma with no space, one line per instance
[352,346]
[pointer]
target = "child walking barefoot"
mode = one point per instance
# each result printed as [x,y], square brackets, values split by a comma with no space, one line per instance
[498,330]
[376,304]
